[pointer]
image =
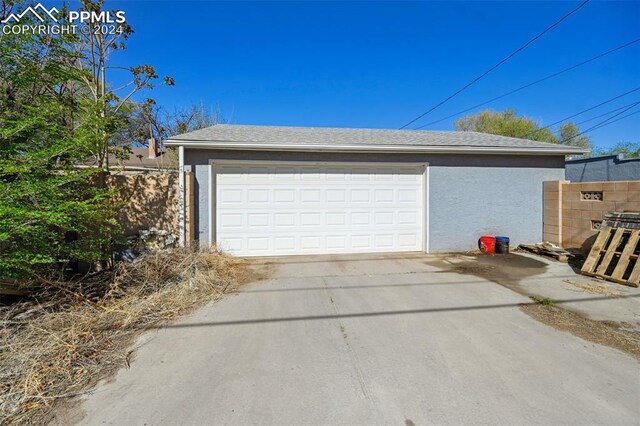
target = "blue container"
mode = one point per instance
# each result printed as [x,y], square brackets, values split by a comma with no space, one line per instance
[502,245]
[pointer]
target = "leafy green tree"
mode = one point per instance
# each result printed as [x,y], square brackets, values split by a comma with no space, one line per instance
[46,202]
[570,135]
[508,123]
[627,149]
[505,123]
[57,109]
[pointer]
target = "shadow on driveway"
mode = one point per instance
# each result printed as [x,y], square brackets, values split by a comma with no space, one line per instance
[384,313]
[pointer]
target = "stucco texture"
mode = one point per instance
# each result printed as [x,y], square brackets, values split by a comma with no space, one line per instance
[469,195]
[603,169]
[146,201]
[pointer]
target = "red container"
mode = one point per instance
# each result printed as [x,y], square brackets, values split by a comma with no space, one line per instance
[487,244]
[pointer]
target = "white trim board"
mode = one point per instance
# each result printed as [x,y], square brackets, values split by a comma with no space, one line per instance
[181,197]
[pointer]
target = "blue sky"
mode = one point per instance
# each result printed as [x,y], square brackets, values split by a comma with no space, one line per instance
[380,64]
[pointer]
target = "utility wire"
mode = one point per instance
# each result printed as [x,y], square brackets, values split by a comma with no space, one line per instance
[601,55]
[582,112]
[514,53]
[603,123]
[617,119]
[602,115]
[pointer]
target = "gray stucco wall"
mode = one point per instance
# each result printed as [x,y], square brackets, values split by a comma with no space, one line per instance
[606,168]
[467,202]
[469,195]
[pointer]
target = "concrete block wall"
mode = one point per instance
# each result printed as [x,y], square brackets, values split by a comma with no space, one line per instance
[571,220]
[552,216]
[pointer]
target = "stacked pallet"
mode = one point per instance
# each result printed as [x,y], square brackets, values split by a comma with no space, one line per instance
[548,250]
[622,220]
[614,255]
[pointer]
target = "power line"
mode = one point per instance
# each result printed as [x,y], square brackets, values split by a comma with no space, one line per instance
[533,83]
[607,121]
[602,115]
[603,123]
[617,119]
[582,112]
[514,53]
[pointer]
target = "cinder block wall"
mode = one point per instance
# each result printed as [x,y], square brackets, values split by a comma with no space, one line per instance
[552,218]
[573,211]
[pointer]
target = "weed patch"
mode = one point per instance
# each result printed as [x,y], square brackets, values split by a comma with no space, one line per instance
[71,335]
[545,301]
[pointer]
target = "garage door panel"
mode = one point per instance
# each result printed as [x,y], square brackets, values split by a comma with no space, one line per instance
[256,195]
[230,196]
[361,241]
[407,240]
[281,196]
[335,219]
[335,195]
[383,218]
[309,195]
[408,217]
[257,243]
[336,242]
[268,245]
[360,195]
[258,220]
[273,210]
[231,220]
[310,219]
[284,219]
[284,244]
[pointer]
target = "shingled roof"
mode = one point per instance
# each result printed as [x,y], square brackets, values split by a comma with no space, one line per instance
[226,136]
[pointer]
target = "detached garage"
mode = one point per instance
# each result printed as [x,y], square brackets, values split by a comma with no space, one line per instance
[268,191]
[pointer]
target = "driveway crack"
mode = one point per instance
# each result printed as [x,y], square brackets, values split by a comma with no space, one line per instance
[353,356]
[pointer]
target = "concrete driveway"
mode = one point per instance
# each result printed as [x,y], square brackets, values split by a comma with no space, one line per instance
[377,339]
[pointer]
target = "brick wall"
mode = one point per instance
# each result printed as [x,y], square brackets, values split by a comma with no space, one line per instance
[572,211]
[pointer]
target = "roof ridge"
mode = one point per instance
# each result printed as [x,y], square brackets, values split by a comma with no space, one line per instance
[282,137]
[274,126]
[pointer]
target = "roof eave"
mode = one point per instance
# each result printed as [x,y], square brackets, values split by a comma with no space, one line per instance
[435,149]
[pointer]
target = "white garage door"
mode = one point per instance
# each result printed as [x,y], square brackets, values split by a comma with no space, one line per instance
[283,209]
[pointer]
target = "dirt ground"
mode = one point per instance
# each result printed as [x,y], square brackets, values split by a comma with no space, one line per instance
[514,269]
[621,336]
[250,271]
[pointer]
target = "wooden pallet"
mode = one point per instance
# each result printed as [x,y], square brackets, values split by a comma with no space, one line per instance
[614,256]
[545,249]
[627,220]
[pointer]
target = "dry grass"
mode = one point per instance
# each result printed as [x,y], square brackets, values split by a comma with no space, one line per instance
[595,288]
[622,336]
[73,336]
